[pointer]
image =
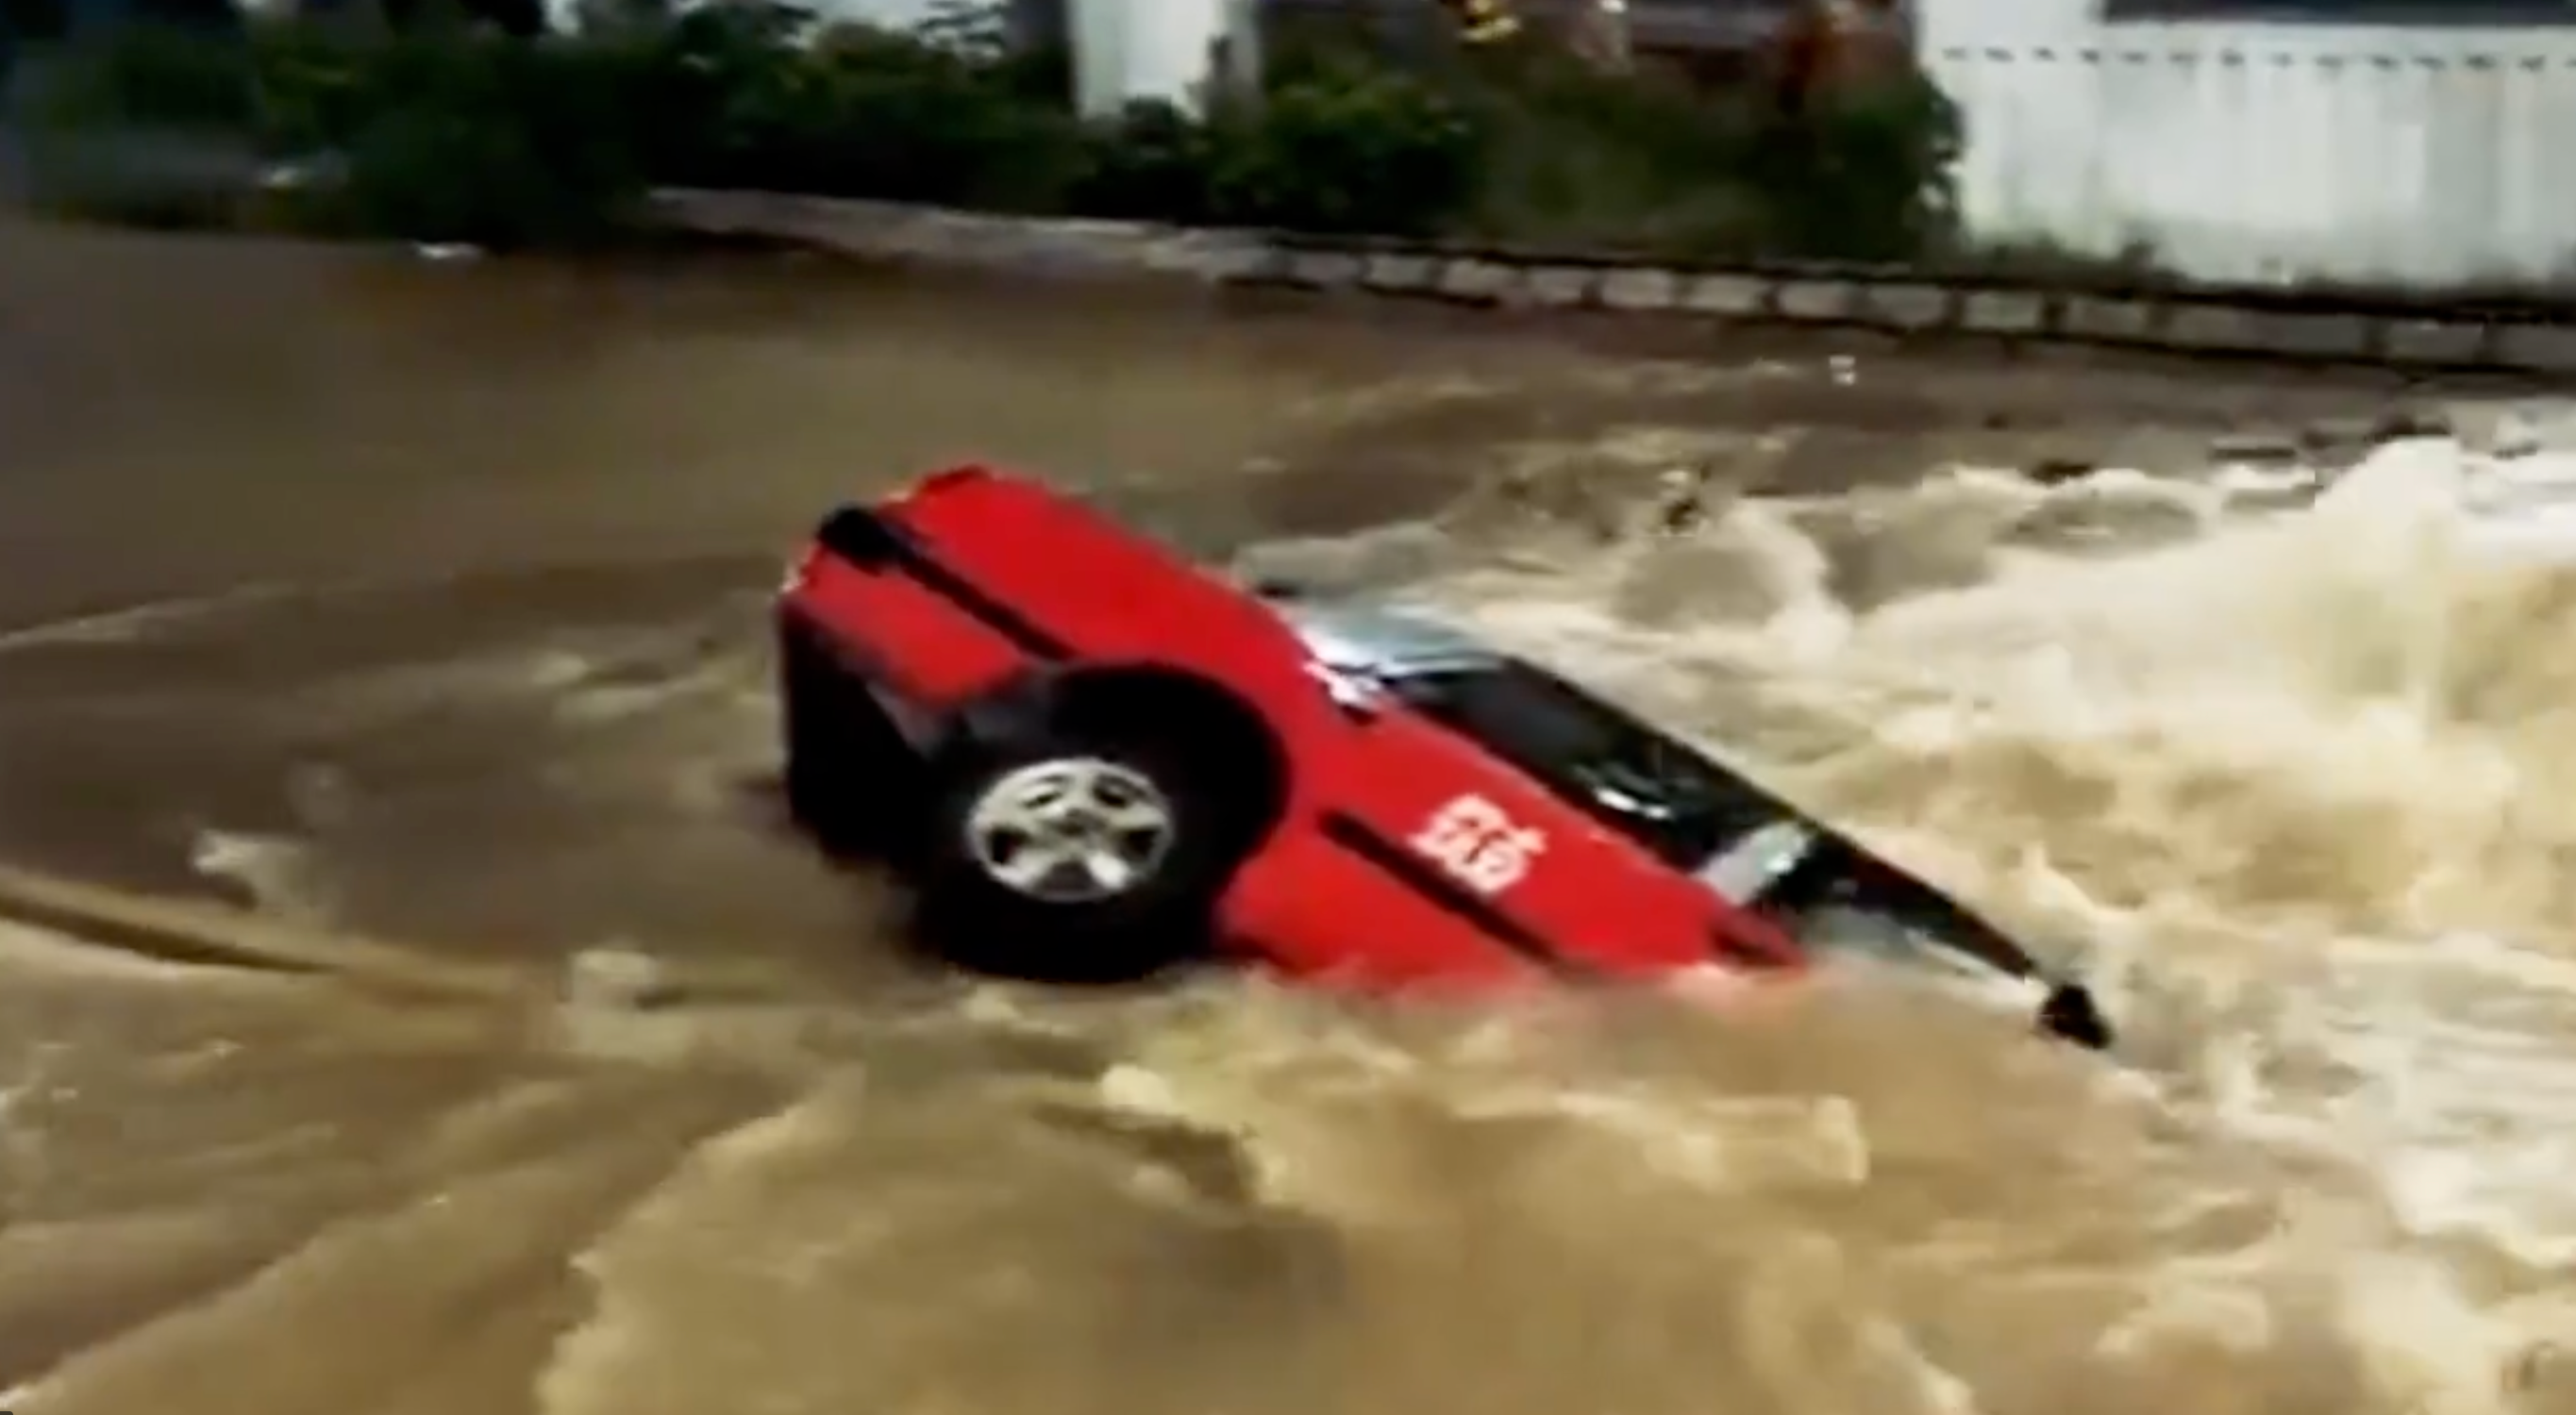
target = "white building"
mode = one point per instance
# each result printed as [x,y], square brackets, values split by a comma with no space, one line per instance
[2418,141]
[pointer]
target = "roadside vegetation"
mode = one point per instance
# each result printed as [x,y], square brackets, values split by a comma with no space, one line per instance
[450,128]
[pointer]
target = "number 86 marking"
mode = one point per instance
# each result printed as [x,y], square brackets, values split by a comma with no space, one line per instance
[1474,842]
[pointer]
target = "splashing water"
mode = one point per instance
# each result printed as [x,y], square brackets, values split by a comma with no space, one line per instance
[2286,781]
[2281,770]
[2291,784]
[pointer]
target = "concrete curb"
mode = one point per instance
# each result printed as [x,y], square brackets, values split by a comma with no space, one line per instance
[2381,328]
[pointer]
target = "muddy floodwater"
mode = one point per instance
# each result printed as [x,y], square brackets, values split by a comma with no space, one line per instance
[413,611]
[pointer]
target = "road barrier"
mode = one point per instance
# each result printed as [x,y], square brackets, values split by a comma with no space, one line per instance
[2513,332]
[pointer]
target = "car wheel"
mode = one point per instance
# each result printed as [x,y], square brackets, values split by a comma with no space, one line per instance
[850,779]
[1075,858]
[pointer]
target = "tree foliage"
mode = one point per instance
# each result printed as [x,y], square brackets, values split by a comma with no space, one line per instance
[447,128]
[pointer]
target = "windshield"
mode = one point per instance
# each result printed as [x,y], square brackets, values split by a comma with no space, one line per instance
[1641,783]
[1746,844]
[1833,894]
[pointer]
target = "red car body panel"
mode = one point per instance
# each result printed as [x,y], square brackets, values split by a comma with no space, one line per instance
[997,577]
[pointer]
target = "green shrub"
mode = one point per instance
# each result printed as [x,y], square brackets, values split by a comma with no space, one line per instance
[1652,163]
[1349,150]
[1152,162]
[315,85]
[146,77]
[1582,158]
[148,131]
[755,96]
[1355,151]
[447,131]
[1868,176]
[466,136]
[442,134]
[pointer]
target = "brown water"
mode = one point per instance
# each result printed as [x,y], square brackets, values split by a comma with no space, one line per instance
[451,582]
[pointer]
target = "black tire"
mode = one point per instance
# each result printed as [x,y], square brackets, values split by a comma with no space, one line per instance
[850,779]
[1162,920]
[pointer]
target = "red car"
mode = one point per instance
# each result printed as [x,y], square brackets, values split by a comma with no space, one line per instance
[1094,759]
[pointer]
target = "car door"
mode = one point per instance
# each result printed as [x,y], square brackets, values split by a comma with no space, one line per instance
[1491,852]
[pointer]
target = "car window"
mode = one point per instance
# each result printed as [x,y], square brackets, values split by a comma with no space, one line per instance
[1837,894]
[1639,781]
[1748,845]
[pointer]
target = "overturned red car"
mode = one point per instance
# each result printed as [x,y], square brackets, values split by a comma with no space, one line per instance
[1094,759]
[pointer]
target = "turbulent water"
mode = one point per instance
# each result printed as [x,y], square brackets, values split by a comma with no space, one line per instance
[2287,770]
[599,1093]
[2287,780]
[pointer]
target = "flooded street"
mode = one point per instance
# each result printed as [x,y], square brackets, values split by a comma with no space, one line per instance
[416,611]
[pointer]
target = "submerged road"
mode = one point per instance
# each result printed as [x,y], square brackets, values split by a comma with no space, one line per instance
[423,602]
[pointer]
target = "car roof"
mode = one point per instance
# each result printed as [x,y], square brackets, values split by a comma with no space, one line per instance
[1385,642]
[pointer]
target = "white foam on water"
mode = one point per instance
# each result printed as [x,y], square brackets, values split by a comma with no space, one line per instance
[281,875]
[2304,779]
[2289,783]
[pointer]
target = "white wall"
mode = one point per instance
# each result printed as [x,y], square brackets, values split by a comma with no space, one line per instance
[2266,151]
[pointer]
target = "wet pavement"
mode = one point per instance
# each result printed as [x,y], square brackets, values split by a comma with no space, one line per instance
[424,601]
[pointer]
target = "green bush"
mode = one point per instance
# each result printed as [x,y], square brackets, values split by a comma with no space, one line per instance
[146,132]
[746,97]
[1152,162]
[1347,152]
[1652,163]
[1585,159]
[447,131]
[151,77]
[465,136]
[1866,177]
[445,134]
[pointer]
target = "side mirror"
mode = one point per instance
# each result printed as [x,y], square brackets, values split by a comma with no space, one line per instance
[2071,1014]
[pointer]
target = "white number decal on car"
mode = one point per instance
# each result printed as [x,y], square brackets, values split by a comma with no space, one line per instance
[1480,846]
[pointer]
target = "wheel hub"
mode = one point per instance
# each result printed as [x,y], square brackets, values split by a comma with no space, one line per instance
[1076,830]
